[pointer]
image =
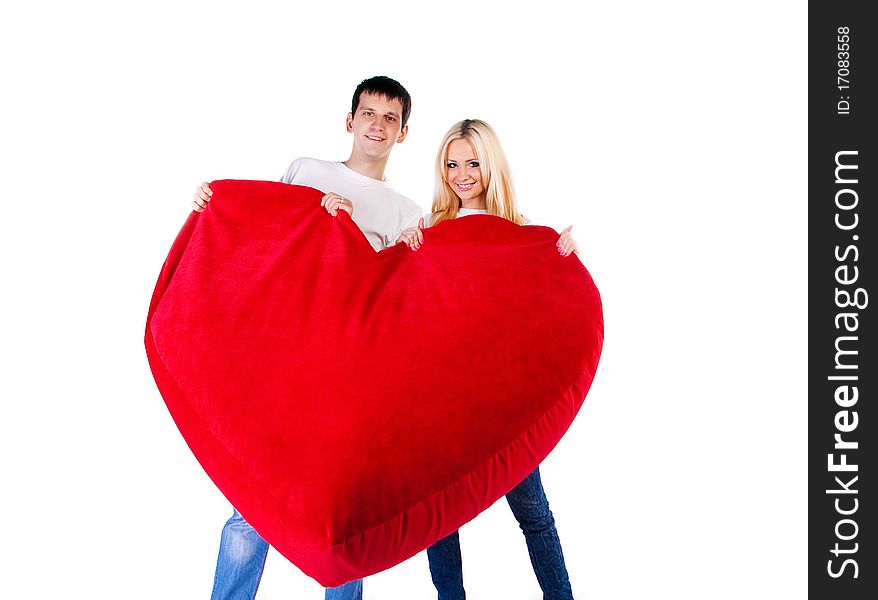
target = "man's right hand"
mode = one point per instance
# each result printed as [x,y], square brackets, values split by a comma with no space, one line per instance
[202,197]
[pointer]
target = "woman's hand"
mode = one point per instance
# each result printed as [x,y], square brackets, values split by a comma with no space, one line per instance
[202,197]
[566,244]
[413,237]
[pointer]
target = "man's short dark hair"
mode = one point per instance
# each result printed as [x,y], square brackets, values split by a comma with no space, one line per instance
[387,87]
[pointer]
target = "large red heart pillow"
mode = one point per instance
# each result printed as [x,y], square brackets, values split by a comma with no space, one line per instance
[356,406]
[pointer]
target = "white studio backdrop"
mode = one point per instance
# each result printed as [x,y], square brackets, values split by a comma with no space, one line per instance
[671,135]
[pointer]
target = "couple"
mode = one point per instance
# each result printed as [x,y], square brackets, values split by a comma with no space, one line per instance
[472,177]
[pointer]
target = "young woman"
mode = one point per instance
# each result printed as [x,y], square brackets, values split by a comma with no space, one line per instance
[472,177]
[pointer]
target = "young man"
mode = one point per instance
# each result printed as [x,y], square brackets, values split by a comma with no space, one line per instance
[378,119]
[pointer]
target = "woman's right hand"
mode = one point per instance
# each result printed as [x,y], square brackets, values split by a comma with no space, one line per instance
[202,197]
[413,237]
[566,244]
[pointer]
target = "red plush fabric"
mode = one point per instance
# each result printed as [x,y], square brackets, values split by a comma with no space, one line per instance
[356,406]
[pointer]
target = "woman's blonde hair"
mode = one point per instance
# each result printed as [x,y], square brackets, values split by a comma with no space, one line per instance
[500,195]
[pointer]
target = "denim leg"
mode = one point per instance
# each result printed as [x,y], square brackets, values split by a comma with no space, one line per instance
[352,590]
[531,508]
[240,562]
[446,567]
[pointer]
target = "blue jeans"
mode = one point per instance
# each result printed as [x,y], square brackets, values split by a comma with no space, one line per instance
[241,561]
[531,509]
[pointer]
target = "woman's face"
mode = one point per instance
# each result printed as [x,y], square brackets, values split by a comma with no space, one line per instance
[463,174]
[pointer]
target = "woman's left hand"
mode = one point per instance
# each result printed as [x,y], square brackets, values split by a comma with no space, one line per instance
[566,244]
[413,237]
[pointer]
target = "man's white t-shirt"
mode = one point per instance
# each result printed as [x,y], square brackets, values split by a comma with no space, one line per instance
[380,211]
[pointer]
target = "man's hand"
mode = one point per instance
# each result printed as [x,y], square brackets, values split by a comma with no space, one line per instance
[202,197]
[566,244]
[333,203]
[413,237]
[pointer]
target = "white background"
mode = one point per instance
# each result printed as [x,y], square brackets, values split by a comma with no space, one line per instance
[673,137]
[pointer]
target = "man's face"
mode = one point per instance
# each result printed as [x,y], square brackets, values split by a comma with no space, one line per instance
[376,125]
